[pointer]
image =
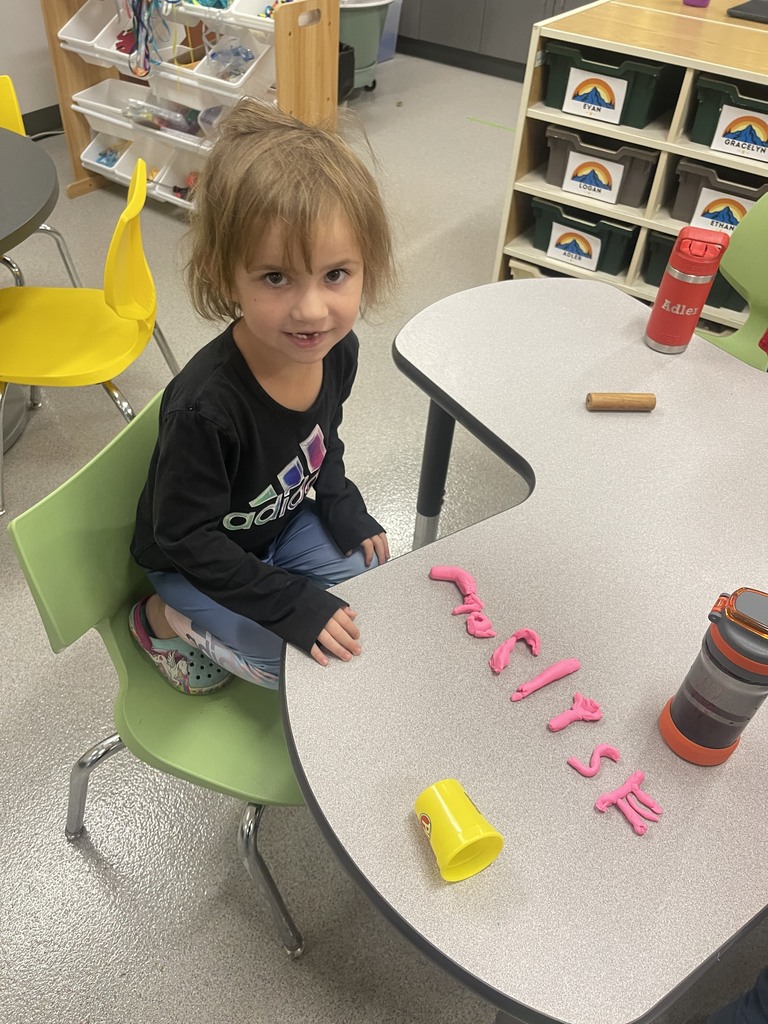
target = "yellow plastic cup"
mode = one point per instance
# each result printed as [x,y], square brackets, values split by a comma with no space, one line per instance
[462,841]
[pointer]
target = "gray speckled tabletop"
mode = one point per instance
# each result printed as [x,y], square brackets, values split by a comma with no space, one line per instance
[637,522]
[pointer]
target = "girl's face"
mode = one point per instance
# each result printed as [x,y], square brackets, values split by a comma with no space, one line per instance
[292,315]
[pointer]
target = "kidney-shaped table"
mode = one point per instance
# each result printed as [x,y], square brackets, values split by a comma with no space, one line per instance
[636,522]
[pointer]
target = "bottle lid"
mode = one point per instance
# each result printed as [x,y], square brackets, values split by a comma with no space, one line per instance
[738,636]
[698,251]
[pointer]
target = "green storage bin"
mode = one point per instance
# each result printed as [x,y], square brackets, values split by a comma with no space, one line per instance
[651,88]
[361,26]
[657,256]
[617,240]
[712,94]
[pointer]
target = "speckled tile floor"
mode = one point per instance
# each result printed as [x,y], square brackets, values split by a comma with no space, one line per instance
[151,918]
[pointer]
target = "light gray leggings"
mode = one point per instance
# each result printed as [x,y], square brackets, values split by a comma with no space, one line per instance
[239,644]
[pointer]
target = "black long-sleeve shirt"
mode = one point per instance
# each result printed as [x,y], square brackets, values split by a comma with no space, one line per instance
[230,469]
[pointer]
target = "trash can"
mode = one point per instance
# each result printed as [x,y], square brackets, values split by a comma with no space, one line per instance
[361,26]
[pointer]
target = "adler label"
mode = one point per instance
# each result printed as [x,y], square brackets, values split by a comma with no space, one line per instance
[575,247]
[679,308]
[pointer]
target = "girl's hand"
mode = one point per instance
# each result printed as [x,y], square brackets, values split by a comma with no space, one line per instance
[378,544]
[340,637]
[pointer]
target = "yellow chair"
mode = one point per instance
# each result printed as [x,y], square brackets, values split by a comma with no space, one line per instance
[69,337]
[12,121]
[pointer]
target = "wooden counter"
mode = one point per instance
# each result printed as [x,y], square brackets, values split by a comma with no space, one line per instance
[705,37]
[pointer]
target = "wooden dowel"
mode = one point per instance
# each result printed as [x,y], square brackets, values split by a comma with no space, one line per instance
[620,401]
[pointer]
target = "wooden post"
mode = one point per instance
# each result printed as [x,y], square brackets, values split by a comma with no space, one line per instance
[307,60]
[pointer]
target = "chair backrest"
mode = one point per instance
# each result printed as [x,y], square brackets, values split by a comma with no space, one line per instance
[73,545]
[10,111]
[128,285]
[745,259]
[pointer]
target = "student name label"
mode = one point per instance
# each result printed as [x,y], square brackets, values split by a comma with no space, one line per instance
[718,211]
[598,179]
[574,247]
[599,97]
[742,132]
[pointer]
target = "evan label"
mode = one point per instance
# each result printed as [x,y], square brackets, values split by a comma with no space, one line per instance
[599,97]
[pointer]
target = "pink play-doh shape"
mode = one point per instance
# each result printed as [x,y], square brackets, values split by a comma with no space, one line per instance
[550,675]
[480,625]
[584,709]
[590,770]
[472,603]
[463,580]
[500,657]
[628,798]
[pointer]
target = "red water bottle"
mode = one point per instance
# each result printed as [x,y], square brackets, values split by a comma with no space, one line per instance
[684,288]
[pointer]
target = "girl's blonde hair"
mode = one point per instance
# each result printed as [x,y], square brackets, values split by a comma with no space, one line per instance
[268,168]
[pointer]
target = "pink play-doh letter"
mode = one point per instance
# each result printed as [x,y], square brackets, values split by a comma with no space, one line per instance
[550,675]
[463,580]
[584,709]
[628,798]
[500,657]
[590,770]
[472,603]
[480,625]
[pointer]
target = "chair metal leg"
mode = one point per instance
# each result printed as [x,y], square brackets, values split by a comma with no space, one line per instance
[247,839]
[165,348]
[79,778]
[74,277]
[119,399]
[14,268]
[35,396]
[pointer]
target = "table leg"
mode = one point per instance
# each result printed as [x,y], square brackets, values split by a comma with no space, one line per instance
[434,469]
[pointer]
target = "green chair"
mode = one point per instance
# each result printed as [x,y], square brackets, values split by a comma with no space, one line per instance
[74,549]
[744,267]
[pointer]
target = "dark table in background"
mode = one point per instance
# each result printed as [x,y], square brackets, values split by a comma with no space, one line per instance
[29,189]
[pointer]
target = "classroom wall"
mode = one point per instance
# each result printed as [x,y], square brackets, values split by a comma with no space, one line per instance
[24,54]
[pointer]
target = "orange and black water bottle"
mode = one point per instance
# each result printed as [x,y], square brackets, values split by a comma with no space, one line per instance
[725,685]
[684,288]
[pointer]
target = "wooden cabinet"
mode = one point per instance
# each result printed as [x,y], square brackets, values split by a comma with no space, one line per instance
[658,30]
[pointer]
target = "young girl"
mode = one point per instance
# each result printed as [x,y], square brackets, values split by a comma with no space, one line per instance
[289,238]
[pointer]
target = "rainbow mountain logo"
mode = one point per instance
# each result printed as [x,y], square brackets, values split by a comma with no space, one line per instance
[724,211]
[575,244]
[596,92]
[750,130]
[594,174]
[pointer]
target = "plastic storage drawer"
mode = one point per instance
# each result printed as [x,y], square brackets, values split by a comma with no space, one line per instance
[712,94]
[657,257]
[616,239]
[694,177]
[638,163]
[651,88]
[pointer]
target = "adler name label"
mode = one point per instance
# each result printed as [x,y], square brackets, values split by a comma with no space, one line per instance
[679,308]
